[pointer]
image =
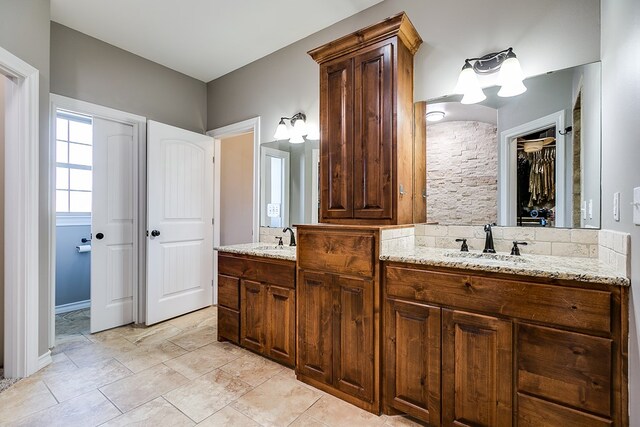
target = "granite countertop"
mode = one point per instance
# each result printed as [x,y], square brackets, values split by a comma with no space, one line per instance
[552,267]
[267,250]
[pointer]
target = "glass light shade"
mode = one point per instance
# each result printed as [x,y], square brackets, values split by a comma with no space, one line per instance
[313,132]
[473,96]
[512,90]
[296,139]
[511,77]
[300,127]
[435,116]
[467,80]
[281,131]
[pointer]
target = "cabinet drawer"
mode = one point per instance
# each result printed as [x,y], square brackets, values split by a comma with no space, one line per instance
[565,367]
[534,412]
[559,305]
[281,273]
[228,325]
[228,291]
[347,253]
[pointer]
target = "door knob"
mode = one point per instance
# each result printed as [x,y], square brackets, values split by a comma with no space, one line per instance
[99,236]
[155,233]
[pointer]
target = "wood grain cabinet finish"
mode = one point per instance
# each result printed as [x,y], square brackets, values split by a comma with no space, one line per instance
[507,350]
[257,305]
[367,162]
[338,323]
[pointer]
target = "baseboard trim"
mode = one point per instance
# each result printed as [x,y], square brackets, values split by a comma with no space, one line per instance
[73,306]
[44,360]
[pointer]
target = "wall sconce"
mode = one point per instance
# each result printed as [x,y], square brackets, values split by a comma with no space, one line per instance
[299,129]
[510,78]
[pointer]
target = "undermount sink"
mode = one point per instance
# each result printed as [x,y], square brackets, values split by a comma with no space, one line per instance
[486,256]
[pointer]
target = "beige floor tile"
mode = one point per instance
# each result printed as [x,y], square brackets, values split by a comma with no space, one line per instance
[276,402]
[252,369]
[205,359]
[205,317]
[158,412]
[133,391]
[291,374]
[228,416]
[66,385]
[69,342]
[90,409]
[149,335]
[195,338]
[99,351]
[335,412]
[306,421]
[207,394]
[60,365]
[24,398]
[145,356]
[399,421]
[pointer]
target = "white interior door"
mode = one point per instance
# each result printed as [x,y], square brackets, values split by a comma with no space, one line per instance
[180,213]
[113,268]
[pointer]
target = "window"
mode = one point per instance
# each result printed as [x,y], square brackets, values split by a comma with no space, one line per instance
[74,151]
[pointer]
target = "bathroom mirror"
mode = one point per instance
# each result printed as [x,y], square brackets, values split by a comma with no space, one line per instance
[288,183]
[528,160]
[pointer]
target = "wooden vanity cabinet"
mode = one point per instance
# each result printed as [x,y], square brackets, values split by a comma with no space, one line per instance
[337,312]
[506,350]
[367,156]
[256,305]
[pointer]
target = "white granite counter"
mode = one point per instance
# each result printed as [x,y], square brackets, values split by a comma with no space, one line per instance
[261,249]
[553,267]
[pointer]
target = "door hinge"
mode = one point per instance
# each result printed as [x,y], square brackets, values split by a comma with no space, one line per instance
[213,159]
[211,221]
[212,283]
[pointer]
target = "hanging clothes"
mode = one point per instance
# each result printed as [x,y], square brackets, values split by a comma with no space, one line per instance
[542,182]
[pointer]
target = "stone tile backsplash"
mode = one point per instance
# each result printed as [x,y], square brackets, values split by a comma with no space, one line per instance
[394,239]
[268,235]
[615,250]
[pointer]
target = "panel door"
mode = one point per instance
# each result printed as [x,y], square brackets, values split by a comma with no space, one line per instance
[253,300]
[281,319]
[113,258]
[477,370]
[373,142]
[412,359]
[315,306]
[353,337]
[336,146]
[180,212]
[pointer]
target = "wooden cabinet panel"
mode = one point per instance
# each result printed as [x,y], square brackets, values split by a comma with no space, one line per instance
[563,306]
[565,367]
[252,319]
[336,154]
[476,370]
[278,272]
[315,303]
[281,317]
[228,292]
[373,144]
[412,359]
[534,412]
[353,327]
[228,325]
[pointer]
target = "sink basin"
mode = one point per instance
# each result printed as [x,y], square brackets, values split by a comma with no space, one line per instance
[487,257]
[274,248]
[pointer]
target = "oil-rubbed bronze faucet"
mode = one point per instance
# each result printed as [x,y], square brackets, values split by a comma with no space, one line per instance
[488,241]
[293,237]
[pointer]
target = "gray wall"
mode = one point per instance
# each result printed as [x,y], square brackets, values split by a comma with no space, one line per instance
[24,31]
[288,80]
[73,269]
[621,151]
[3,81]
[91,70]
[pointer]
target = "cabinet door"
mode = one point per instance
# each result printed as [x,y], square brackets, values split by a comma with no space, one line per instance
[412,350]
[281,317]
[373,142]
[336,147]
[315,334]
[353,357]
[252,315]
[477,368]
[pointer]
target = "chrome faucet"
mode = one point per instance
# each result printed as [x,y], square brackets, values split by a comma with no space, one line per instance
[293,237]
[488,242]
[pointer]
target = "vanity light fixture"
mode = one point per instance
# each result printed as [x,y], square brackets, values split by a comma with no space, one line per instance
[510,77]
[299,129]
[435,116]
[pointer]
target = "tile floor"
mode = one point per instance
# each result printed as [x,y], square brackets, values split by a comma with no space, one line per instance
[171,374]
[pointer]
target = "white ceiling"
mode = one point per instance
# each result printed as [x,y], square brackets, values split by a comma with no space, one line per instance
[204,39]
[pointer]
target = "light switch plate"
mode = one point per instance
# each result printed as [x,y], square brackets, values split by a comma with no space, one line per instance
[636,206]
[583,209]
[616,206]
[590,208]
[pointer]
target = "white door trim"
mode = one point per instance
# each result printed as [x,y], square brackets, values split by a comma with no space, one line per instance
[21,237]
[139,124]
[507,173]
[249,125]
